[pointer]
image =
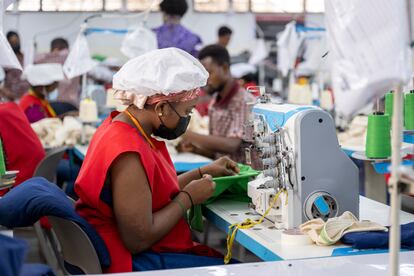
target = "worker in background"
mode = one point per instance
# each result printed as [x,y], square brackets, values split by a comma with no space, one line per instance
[172,33]
[224,36]
[21,146]
[228,111]
[43,79]
[15,86]
[69,89]
[128,188]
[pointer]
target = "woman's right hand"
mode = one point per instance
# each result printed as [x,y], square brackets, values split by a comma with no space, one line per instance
[201,189]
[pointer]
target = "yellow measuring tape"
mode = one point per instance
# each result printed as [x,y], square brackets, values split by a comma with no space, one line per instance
[247,224]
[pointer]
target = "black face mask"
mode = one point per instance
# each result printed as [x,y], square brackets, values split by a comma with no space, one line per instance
[173,133]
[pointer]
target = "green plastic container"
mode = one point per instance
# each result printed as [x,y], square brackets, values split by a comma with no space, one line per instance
[234,186]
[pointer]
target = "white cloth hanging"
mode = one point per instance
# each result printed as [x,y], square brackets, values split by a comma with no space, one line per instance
[139,41]
[79,60]
[288,46]
[259,53]
[369,48]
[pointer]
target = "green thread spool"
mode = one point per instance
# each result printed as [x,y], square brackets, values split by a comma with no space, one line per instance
[378,141]
[2,161]
[389,103]
[409,111]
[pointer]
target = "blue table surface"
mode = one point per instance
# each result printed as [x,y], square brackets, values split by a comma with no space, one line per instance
[265,254]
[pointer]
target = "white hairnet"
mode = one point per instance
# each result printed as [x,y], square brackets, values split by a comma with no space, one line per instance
[43,74]
[163,71]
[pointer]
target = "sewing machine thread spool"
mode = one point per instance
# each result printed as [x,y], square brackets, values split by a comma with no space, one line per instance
[389,102]
[409,111]
[378,141]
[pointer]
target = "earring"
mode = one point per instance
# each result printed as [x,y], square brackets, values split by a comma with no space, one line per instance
[160,114]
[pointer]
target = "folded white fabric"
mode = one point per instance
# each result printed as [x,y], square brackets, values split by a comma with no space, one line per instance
[331,231]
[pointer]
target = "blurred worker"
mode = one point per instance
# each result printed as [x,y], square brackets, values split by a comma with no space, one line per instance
[228,111]
[21,146]
[224,36]
[172,33]
[43,79]
[128,188]
[69,89]
[15,86]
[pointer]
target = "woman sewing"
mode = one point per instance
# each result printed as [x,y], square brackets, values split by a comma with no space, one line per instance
[128,187]
[43,79]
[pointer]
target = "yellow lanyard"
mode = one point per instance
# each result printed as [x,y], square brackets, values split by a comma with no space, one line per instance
[45,103]
[139,127]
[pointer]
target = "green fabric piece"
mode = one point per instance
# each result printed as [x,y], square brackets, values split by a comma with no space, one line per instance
[235,184]
[99,57]
[195,218]
[227,187]
[2,161]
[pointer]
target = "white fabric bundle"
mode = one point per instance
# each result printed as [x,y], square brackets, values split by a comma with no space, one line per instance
[330,232]
[52,132]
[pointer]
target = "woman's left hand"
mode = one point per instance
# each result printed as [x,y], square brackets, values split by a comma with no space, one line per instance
[223,166]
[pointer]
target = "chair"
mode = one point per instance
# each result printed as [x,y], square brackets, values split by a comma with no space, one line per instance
[407,203]
[48,166]
[47,169]
[83,255]
[62,107]
[25,204]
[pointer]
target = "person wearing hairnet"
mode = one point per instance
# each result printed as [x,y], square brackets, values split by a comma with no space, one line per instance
[128,188]
[43,79]
[172,33]
[227,113]
[68,90]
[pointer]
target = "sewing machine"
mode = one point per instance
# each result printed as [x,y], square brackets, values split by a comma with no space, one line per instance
[297,150]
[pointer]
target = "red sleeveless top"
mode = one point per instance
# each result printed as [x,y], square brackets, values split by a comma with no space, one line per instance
[111,140]
[30,99]
[22,149]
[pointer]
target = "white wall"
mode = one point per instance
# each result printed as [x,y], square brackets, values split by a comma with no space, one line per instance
[47,26]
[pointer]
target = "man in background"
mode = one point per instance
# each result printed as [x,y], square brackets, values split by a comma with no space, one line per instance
[228,110]
[68,90]
[15,86]
[224,36]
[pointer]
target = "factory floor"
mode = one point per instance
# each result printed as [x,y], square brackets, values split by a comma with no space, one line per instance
[216,240]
